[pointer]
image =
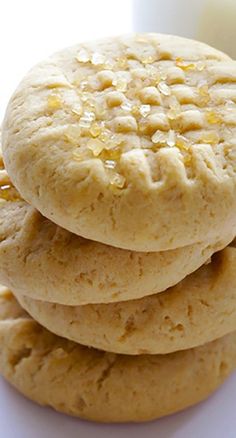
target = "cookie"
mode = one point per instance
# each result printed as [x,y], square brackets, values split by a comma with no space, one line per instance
[197,310]
[129,141]
[34,252]
[102,386]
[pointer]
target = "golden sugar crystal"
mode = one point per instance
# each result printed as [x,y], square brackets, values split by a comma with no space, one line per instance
[83,56]
[213,118]
[112,152]
[97,58]
[159,137]
[126,106]
[144,110]
[110,164]
[171,138]
[112,140]
[135,110]
[54,102]
[96,146]
[191,66]
[95,129]
[86,120]
[84,123]
[72,134]
[182,143]
[90,106]
[164,88]
[116,180]
[77,111]
[179,62]
[105,135]
[174,109]
[116,139]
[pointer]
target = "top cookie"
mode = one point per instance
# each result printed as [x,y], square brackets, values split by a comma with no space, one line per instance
[129,141]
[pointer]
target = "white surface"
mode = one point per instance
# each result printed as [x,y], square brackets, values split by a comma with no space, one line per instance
[29,31]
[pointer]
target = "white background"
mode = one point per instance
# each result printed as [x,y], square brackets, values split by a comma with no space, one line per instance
[29,31]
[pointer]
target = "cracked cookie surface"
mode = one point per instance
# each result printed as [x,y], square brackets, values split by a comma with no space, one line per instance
[129,141]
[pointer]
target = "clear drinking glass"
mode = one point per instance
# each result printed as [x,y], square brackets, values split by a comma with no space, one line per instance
[210,21]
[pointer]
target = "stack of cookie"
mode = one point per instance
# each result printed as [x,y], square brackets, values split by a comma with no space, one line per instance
[116,225]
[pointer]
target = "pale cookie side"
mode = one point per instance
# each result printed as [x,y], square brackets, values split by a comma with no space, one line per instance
[197,310]
[34,252]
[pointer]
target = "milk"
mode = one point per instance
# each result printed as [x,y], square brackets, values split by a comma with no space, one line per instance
[217,25]
[210,21]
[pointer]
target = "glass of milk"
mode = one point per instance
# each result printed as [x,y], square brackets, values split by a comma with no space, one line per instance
[210,21]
